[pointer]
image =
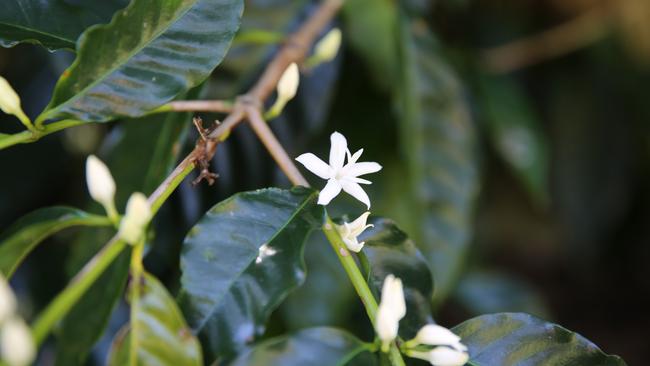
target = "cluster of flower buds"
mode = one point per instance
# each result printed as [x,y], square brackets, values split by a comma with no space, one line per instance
[16,342]
[433,343]
[102,189]
[324,51]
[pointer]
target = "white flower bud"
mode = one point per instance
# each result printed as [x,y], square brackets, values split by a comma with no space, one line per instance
[7,300]
[327,48]
[138,214]
[436,335]
[10,101]
[16,343]
[100,181]
[392,309]
[288,84]
[442,356]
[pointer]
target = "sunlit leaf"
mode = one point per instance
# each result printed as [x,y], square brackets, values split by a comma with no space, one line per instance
[161,334]
[312,346]
[20,239]
[148,54]
[517,339]
[240,261]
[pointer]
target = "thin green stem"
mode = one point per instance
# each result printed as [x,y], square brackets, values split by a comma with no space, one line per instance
[395,356]
[358,282]
[33,135]
[258,37]
[77,287]
[136,280]
[351,268]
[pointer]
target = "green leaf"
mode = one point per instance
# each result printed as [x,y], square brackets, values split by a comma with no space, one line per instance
[155,141]
[390,251]
[147,55]
[320,346]
[517,339]
[327,296]
[160,332]
[24,235]
[250,249]
[515,131]
[54,24]
[439,140]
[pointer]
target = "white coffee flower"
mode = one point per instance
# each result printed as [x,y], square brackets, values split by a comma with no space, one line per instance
[10,101]
[16,343]
[392,309]
[134,222]
[327,48]
[339,176]
[7,300]
[442,356]
[101,184]
[350,231]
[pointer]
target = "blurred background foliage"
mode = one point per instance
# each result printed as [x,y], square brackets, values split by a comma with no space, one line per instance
[515,145]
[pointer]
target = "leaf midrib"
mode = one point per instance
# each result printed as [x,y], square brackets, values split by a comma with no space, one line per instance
[72,42]
[299,209]
[113,69]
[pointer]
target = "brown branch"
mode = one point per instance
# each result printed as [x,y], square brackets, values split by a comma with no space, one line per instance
[577,33]
[219,106]
[274,147]
[295,50]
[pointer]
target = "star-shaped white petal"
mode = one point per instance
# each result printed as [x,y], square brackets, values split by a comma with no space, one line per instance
[340,176]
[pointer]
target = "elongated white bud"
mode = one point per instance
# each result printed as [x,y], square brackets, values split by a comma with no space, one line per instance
[392,309]
[138,214]
[286,89]
[100,181]
[7,300]
[16,343]
[288,84]
[10,102]
[327,48]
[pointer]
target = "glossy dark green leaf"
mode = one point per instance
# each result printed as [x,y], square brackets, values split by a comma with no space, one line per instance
[484,292]
[390,251]
[53,23]
[518,339]
[241,260]
[327,296]
[159,330]
[320,346]
[21,238]
[148,54]
[144,152]
[515,132]
[439,139]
